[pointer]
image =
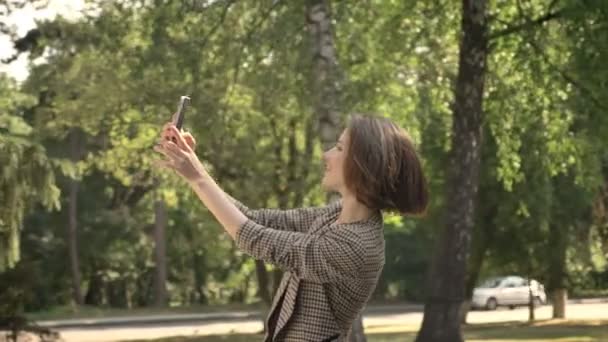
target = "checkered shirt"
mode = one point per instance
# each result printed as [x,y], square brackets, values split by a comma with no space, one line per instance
[330,269]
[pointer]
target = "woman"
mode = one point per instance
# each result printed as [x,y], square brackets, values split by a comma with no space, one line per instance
[332,255]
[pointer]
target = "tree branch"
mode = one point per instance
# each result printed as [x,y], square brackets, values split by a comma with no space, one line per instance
[246,38]
[528,24]
[567,77]
[219,23]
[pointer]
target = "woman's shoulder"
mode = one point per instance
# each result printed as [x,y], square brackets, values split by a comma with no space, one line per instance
[370,228]
[373,221]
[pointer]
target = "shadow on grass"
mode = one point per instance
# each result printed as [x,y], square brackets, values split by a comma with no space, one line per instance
[214,338]
[546,330]
[565,331]
[592,330]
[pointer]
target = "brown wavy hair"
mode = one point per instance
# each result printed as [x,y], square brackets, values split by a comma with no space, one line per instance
[382,167]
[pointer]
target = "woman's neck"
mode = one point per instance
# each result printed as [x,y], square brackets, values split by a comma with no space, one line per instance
[353,210]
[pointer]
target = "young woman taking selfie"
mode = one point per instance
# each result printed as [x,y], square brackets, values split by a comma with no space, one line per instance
[332,255]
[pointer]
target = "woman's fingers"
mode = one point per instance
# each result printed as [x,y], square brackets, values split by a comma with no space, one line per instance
[171,133]
[165,133]
[190,141]
[167,125]
[172,146]
[169,150]
[181,143]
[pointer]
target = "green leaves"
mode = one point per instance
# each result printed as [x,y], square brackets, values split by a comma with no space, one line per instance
[116,78]
[27,175]
[14,125]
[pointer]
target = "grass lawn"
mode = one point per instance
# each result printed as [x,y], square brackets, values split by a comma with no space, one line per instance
[541,331]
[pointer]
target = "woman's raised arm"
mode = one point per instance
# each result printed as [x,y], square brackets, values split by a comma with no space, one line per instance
[297,220]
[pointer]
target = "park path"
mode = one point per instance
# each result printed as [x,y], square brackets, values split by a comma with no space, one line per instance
[250,322]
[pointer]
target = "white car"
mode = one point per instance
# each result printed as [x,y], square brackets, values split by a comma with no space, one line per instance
[508,291]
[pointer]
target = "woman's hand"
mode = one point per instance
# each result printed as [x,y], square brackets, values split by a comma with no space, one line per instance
[166,134]
[178,149]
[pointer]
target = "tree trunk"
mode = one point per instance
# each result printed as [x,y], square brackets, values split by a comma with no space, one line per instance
[94,294]
[117,293]
[198,268]
[560,297]
[263,283]
[531,306]
[325,90]
[304,165]
[143,286]
[325,72]
[277,275]
[465,307]
[160,276]
[442,310]
[281,191]
[73,223]
[478,252]
[481,241]
[475,263]
[264,290]
[558,243]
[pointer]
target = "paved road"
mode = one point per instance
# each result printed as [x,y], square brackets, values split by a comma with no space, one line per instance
[245,323]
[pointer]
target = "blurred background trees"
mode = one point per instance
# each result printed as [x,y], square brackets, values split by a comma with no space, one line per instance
[98,225]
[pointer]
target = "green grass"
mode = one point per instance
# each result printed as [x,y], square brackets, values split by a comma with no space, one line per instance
[67,312]
[542,331]
[577,294]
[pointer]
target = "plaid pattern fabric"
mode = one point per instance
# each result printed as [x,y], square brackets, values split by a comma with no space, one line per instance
[330,269]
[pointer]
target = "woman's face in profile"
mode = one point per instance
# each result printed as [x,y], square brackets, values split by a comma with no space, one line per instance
[333,178]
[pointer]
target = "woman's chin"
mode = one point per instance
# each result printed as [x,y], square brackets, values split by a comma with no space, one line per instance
[325,186]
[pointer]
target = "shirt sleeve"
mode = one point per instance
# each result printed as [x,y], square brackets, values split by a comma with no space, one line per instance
[297,220]
[324,258]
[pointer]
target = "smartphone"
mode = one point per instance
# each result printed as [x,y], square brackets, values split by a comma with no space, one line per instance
[178,118]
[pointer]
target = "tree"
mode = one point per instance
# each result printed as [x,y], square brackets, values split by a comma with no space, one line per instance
[27,173]
[266,79]
[76,143]
[446,286]
[160,255]
[325,94]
